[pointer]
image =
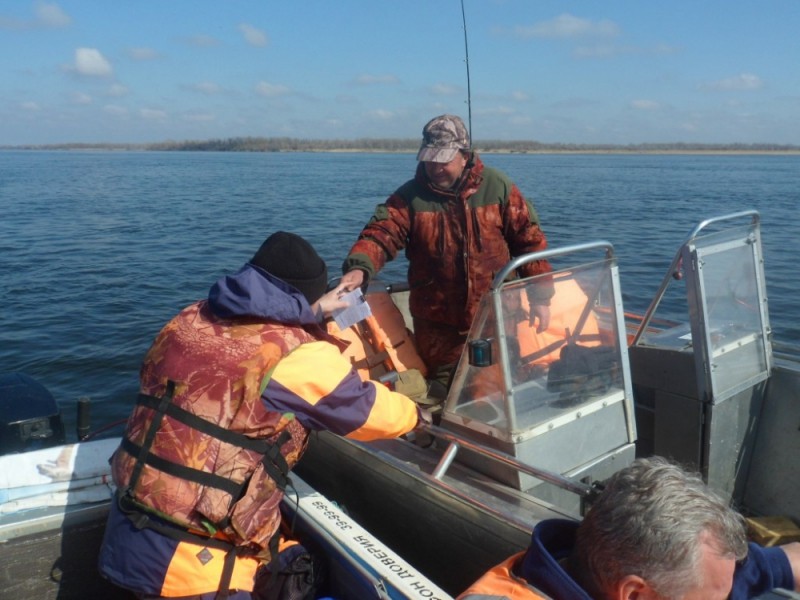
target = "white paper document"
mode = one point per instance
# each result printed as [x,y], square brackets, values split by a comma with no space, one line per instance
[357,310]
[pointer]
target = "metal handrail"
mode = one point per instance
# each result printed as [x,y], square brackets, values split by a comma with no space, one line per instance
[581,489]
[673,268]
[516,262]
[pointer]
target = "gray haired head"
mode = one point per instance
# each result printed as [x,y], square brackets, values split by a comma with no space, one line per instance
[650,521]
[442,138]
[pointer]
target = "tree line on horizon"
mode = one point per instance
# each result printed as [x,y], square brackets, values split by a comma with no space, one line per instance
[287,144]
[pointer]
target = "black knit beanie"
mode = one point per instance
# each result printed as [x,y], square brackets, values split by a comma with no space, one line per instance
[291,258]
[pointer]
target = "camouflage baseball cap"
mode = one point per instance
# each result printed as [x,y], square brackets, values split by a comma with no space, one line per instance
[442,137]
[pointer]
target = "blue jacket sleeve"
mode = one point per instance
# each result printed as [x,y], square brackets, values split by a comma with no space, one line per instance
[764,569]
[319,386]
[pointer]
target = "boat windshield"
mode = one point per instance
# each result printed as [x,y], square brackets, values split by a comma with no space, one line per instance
[514,380]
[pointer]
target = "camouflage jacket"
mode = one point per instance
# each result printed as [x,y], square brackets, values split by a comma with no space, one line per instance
[456,241]
[219,366]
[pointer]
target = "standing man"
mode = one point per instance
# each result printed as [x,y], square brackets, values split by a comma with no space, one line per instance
[459,222]
[656,532]
[230,390]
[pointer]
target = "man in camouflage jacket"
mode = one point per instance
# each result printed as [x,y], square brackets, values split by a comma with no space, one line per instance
[460,222]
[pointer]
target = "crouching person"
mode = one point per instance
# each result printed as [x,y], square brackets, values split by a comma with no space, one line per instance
[655,533]
[230,390]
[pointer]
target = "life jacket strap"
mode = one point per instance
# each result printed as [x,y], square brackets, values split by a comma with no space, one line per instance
[144,450]
[182,471]
[202,425]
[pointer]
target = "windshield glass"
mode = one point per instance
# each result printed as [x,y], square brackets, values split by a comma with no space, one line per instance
[535,376]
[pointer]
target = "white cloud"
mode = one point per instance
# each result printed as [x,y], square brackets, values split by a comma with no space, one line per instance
[30,106]
[566,26]
[203,41]
[91,63]
[738,83]
[51,15]
[153,114]
[520,96]
[143,53]
[366,79]
[599,51]
[115,110]
[645,105]
[271,90]
[381,114]
[81,98]
[47,16]
[444,89]
[253,36]
[205,87]
[199,118]
[117,90]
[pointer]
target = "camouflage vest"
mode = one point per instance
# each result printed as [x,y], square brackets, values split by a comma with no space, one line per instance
[202,431]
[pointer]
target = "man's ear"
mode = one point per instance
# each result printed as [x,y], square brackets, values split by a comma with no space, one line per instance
[633,587]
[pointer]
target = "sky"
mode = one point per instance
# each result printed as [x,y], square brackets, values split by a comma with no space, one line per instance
[580,72]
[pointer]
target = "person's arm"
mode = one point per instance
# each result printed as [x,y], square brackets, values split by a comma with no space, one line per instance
[765,569]
[379,242]
[793,554]
[523,236]
[318,385]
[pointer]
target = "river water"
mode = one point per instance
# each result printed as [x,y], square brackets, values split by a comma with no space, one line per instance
[99,249]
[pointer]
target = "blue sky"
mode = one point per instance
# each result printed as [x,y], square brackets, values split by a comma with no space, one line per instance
[616,72]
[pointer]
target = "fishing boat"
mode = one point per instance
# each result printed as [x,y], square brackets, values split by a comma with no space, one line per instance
[54,503]
[531,425]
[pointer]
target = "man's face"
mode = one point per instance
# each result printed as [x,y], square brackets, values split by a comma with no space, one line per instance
[715,583]
[445,175]
[717,574]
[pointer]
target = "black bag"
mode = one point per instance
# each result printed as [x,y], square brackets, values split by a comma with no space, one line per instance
[582,371]
[301,575]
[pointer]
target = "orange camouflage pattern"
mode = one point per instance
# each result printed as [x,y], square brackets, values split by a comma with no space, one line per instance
[218,366]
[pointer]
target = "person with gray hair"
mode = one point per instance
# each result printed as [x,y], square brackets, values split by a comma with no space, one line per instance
[656,532]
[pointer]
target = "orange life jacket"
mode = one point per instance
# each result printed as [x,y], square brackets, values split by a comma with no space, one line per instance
[201,449]
[382,342]
[499,582]
[567,306]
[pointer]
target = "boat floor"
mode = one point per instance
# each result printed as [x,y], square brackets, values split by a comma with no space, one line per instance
[53,565]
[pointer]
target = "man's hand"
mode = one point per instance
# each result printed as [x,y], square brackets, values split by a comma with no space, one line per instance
[330,301]
[542,314]
[352,280]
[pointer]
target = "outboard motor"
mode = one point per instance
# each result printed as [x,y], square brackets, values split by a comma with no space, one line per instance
[29,416]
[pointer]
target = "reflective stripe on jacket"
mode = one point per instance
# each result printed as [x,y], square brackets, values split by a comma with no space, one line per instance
[500,583]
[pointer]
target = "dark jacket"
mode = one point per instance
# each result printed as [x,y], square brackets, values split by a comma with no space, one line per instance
[552,541]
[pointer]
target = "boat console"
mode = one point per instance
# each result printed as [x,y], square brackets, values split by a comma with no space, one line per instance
[702,356]
[561,398]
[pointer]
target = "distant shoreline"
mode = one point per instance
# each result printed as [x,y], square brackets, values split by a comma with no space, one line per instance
[398,146]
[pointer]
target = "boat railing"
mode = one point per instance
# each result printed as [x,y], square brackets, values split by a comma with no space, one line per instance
[456,442]
[673,272]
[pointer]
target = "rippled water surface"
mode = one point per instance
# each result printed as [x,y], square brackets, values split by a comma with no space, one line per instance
[99,249]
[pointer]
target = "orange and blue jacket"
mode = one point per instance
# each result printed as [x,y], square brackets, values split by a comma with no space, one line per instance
[500,583]
[538,572]
[252,361]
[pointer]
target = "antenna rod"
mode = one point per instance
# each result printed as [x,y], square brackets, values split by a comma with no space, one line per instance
[469,91]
